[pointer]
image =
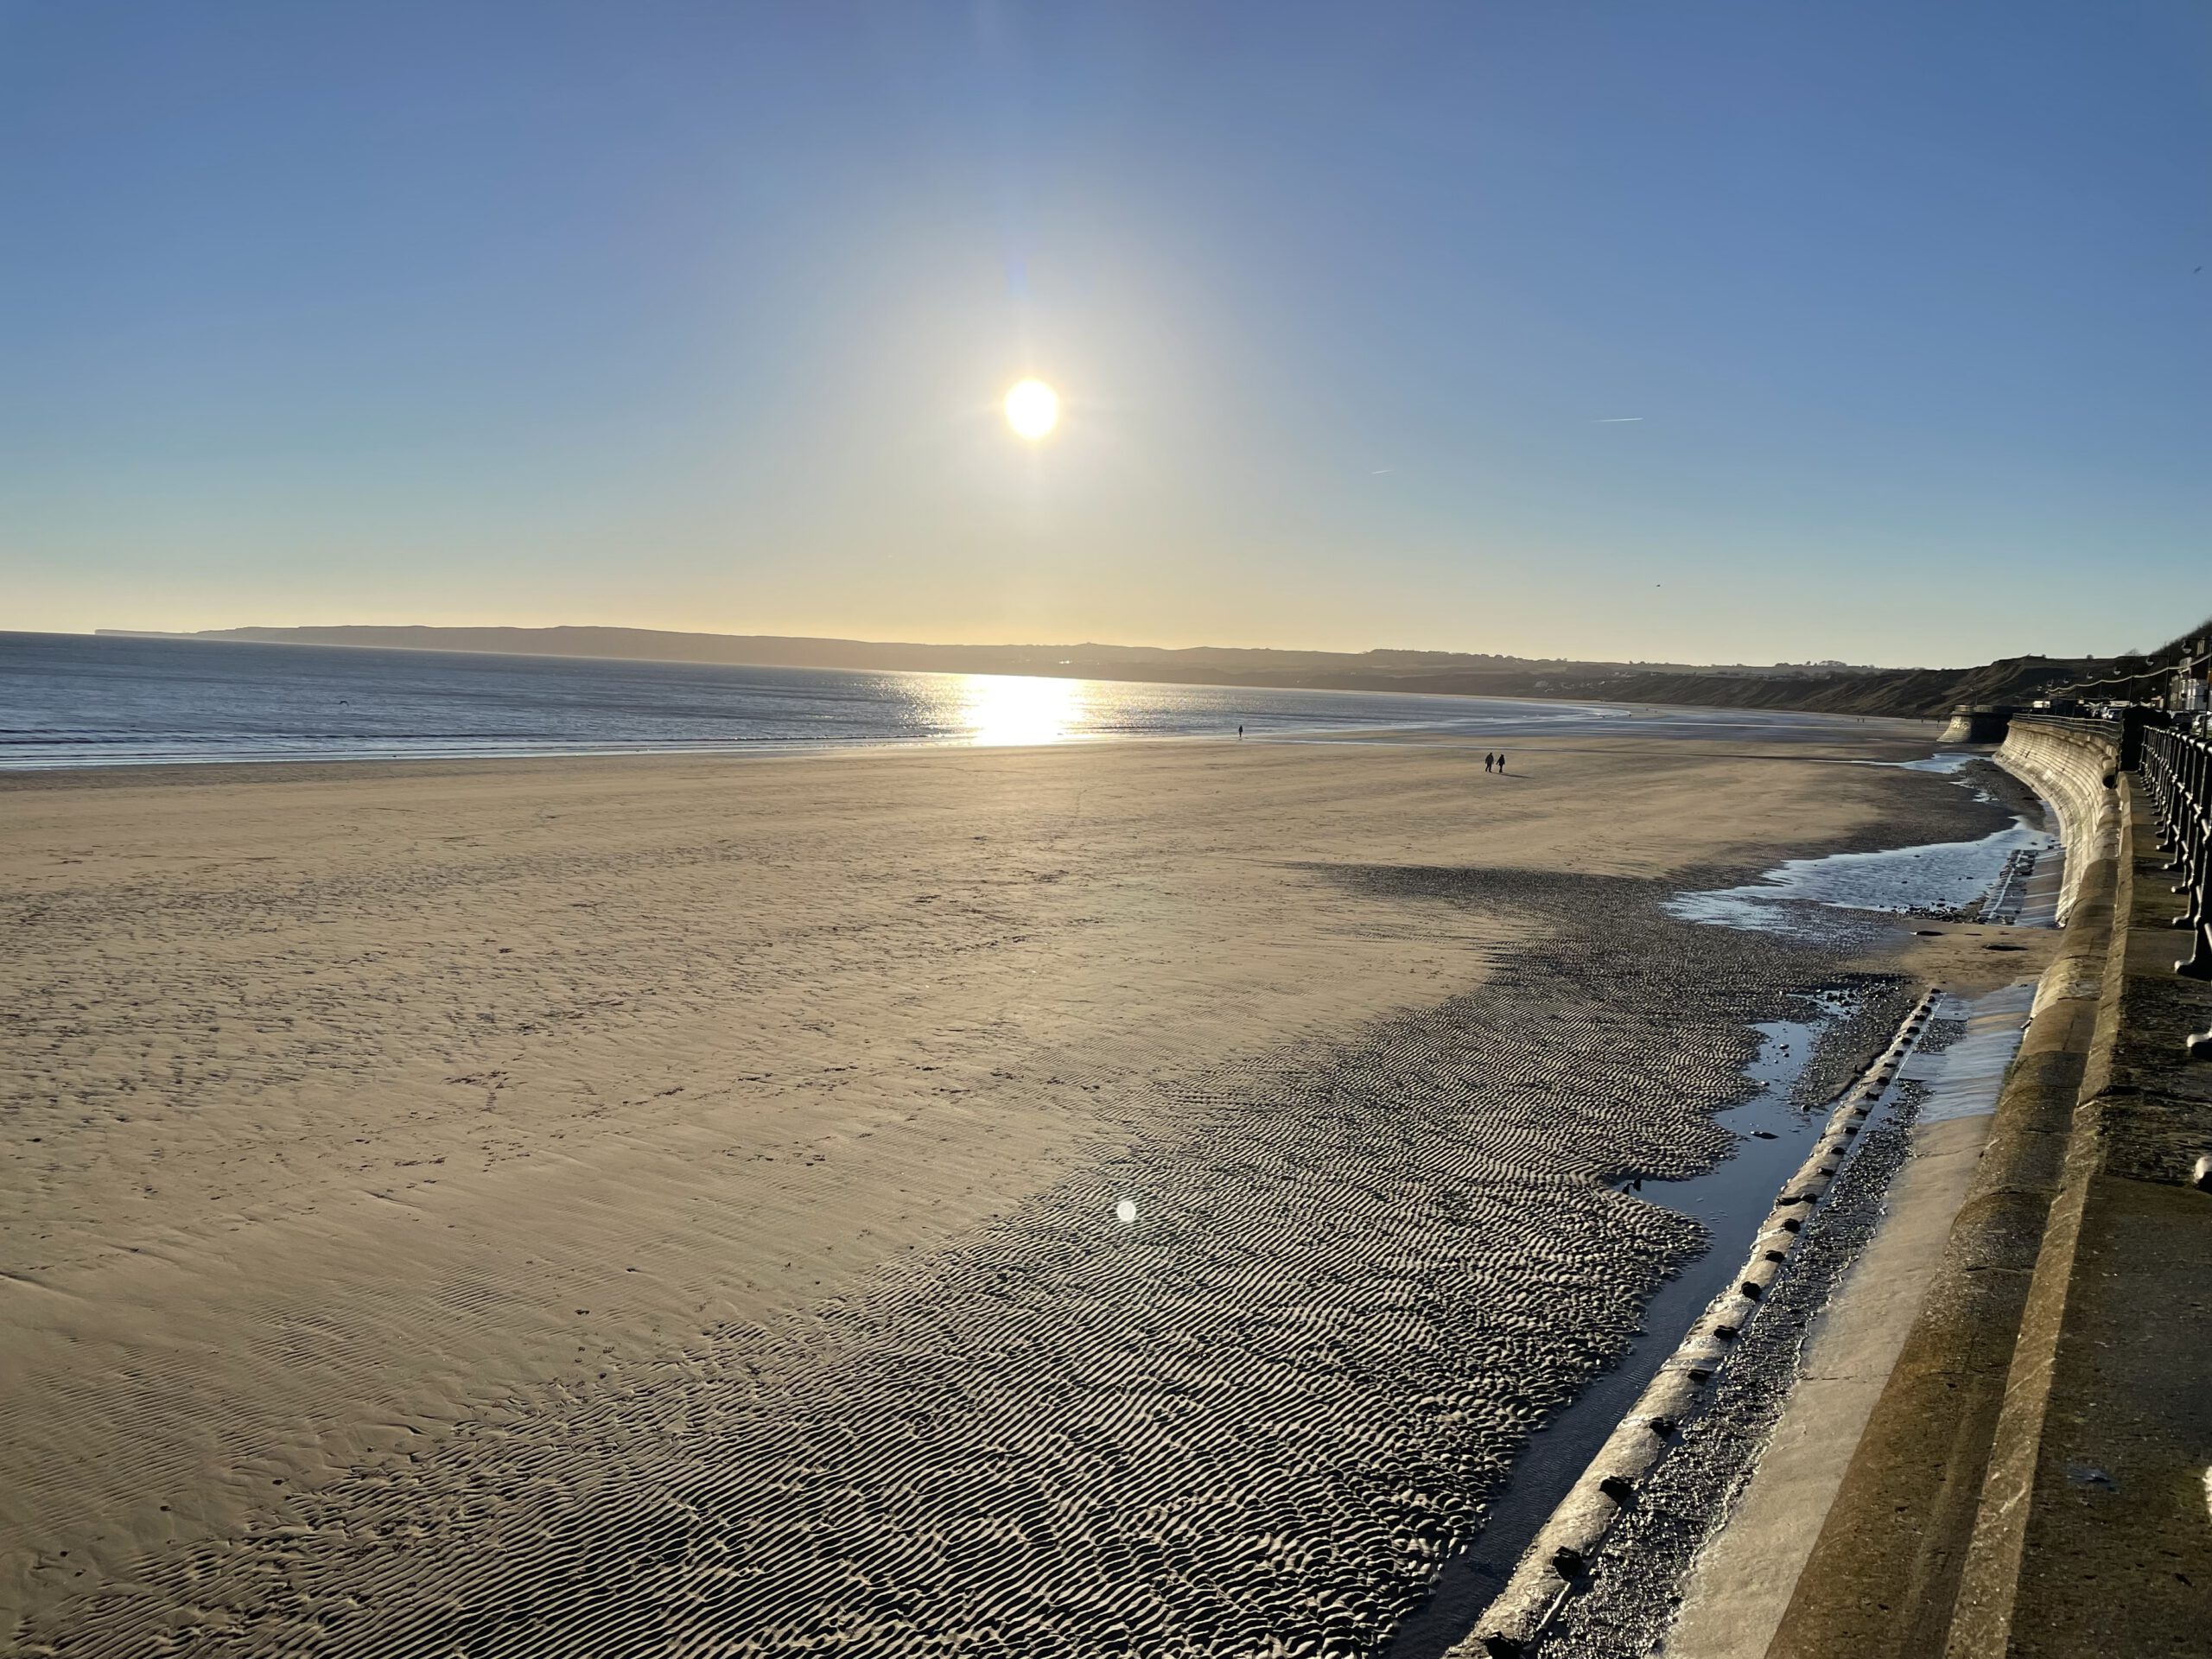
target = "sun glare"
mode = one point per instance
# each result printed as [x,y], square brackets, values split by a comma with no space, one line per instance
[1032,409]
[1002,709]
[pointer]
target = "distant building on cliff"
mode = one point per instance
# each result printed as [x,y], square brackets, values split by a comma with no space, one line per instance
[2191,692]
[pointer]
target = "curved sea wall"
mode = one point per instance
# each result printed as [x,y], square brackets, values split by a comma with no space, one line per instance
[2072,764]
[2031,1483]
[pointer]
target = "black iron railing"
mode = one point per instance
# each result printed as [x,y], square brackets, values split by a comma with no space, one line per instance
[2177,770]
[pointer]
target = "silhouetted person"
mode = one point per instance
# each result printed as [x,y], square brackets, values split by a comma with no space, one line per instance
[1240,734]
[1487,758]
[1501,760]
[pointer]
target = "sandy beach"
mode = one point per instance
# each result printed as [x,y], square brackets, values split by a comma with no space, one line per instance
[670,1205]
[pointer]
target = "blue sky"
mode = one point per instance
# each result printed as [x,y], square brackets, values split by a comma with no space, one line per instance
[697,316]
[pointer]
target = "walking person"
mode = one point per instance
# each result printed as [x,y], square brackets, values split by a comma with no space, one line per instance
[1487,759]
[1501,760]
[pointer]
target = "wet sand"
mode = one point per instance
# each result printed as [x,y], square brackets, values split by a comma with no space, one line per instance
[613,1205]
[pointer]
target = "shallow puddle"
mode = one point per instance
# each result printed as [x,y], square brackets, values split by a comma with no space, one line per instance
[1944,878]
[1963,1080]
[1940,763]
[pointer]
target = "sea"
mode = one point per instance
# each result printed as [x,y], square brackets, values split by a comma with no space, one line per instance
[78,700]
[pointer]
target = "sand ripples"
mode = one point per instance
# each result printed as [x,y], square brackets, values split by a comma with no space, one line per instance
[1252,1421]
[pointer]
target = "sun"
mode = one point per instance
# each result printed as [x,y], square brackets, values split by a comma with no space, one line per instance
[1032,409]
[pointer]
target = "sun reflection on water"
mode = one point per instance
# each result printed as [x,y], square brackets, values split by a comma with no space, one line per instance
[1000,709]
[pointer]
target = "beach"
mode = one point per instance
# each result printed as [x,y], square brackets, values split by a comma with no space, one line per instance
[627,1204]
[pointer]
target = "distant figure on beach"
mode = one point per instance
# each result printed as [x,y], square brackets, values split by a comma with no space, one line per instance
[1487,758]
[1501,760]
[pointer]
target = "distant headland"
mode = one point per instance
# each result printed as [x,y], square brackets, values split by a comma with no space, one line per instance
[1827,687]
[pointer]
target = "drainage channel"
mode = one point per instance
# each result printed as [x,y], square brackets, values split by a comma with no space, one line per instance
[1731,1199]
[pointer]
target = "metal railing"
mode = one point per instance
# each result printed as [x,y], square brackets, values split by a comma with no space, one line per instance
[2177,771]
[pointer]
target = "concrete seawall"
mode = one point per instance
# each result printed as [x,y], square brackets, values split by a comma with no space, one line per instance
[1984,724]
[2032,1480]
[2071,765]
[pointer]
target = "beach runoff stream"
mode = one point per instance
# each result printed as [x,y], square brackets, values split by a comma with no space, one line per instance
[1732,1198]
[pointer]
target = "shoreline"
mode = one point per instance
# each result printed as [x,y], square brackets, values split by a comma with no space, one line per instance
[1439,732]
[312,769]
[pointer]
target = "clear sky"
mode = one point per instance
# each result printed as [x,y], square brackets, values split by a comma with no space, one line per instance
[1685,331]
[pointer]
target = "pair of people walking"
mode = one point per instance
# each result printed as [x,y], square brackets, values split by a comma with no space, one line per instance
[1494,762]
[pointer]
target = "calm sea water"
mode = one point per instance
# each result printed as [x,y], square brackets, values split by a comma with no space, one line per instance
[69,699]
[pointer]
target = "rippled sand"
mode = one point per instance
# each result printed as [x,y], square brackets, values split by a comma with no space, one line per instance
[670,1206]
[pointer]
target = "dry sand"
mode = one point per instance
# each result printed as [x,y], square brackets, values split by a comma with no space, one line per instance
[609,1206]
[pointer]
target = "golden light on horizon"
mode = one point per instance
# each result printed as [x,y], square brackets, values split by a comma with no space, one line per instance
[1032,409]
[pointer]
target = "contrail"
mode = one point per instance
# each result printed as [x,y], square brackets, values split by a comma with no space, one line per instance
[1615,420]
